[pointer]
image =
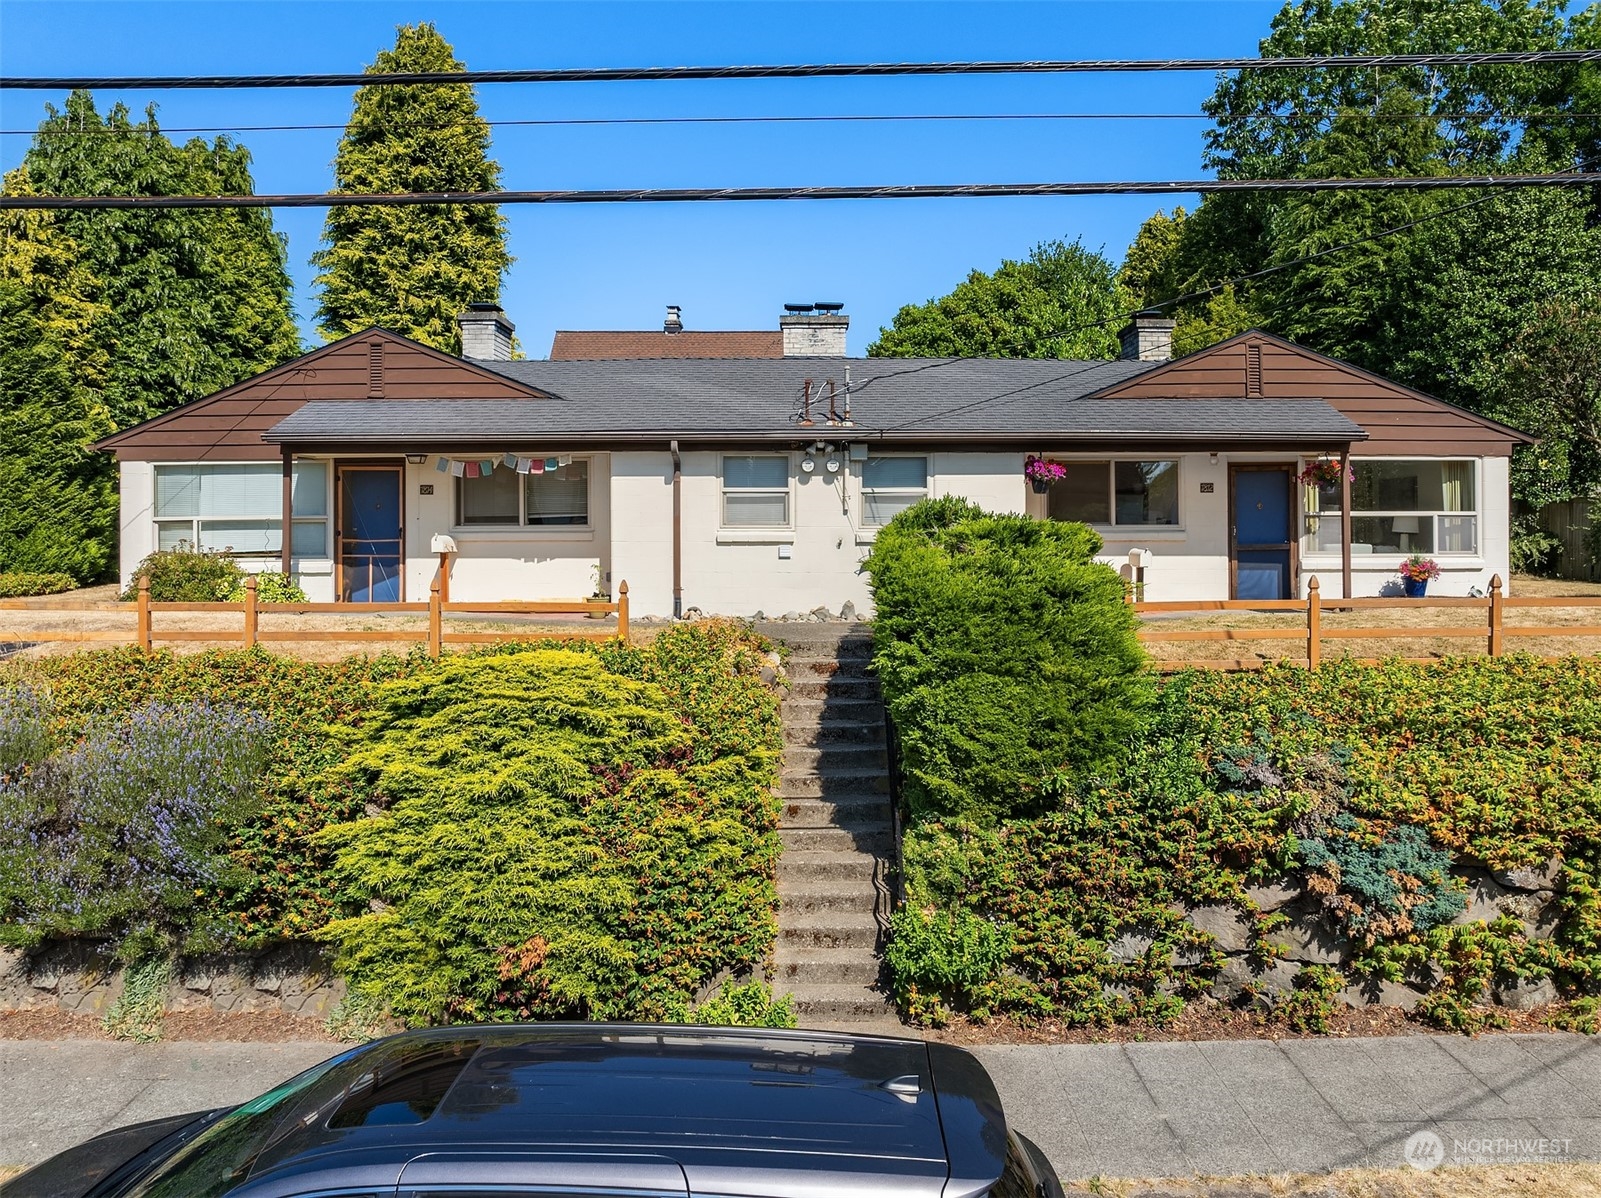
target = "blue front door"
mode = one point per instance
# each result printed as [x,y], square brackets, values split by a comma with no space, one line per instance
[369,534]
[1262,540]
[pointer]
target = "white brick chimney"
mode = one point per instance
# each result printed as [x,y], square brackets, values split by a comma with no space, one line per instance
[485,333]
[814,330]
[1148,337]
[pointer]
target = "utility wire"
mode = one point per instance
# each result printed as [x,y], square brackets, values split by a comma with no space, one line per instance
[1185,297]
[1553,115]
[868,69]
[659,195]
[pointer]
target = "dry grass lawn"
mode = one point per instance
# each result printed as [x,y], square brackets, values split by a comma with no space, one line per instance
[1576,1180]
[1417,620]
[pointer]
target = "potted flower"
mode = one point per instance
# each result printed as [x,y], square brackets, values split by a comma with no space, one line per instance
[1041,473]
[1325,472]
[1415,574]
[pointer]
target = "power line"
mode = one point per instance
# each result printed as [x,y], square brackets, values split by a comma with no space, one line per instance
[869,69]
[911,191]
[1553,115]
[1120,317]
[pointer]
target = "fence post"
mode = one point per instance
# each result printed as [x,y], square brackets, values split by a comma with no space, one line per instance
[622,611]
[1314,624]
[143,632]
[1496,615]
[436,619]
[250,611]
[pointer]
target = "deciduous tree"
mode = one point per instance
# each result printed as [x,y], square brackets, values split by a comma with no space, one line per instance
[1062,301]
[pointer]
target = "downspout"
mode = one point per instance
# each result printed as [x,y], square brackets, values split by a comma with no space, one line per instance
[678,531]
[1345,523]
[288,511]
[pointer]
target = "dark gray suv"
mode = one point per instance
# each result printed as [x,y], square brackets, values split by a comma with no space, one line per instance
[584,1111]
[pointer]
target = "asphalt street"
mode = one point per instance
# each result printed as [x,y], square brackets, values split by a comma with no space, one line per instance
[1108,1110]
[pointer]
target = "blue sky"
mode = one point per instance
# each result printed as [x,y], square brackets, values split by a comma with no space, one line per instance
[729,266]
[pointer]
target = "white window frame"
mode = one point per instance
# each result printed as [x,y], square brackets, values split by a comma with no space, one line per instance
[1111,461]
[275,516]
[521,525]
[921,493]
[724,490]
[1476,513]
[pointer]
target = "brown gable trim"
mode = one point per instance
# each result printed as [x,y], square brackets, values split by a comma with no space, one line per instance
[1258,336]
[207,423]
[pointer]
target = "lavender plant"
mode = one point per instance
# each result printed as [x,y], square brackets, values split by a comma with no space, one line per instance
[25,738]
[123,834]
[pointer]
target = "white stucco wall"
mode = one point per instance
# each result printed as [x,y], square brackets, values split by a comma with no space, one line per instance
[490,564]
[816,561]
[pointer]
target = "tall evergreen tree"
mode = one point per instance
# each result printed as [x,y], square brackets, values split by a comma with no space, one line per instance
[1062,301]
[197,299]
[56,502]
[412,269]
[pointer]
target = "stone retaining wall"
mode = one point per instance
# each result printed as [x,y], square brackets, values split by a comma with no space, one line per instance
[1310,938]
[82,978]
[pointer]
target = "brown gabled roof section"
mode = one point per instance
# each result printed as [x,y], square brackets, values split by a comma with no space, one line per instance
[1400,421]
[578,345]
[375,364]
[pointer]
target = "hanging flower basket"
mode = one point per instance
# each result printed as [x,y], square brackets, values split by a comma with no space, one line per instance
[1041,473]
[1416,572]
[1324,472]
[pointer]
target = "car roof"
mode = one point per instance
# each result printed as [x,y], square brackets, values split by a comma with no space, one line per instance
[649,1108]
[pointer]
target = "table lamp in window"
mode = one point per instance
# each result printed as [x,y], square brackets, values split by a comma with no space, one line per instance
[1404,528]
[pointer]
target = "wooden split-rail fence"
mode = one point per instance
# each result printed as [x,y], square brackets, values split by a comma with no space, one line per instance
[1493,630]
[147,630]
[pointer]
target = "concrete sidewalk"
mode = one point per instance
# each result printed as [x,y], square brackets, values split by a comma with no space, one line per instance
[1109,1110]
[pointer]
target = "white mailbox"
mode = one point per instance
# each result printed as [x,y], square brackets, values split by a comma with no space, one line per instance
[442,543]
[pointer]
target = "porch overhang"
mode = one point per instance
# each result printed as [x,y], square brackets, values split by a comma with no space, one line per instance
[450,426]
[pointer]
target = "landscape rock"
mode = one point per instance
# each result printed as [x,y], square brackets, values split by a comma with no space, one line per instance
[1309,940]
[1530,877]
[847,610]
[1237,978]
[822,614]
[1223,923]
[1485,897]
[1274,895]
[1130,946]
[1526,994]
[1377,992]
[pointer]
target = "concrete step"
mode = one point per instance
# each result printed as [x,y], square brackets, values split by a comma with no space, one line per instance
[841,757]
[839,686]
[825,865]
[838,1001]
[857,812]
[828,929]
[834,707]
[858,898]
[822,667]
[832,784]
[876,840]
[830,732]
[827,967]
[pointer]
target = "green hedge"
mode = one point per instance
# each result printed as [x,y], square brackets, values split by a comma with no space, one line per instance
[672,822]
[22,586]
[1007,655]
[1369,780]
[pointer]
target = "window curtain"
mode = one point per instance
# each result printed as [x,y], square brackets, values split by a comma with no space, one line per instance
[1456,479]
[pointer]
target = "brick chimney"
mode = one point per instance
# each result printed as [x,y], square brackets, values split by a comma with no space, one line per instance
[485,333]
[1148,337]
[675,320]
[814,330]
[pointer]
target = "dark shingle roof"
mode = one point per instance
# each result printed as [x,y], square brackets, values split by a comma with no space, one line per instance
[900,399]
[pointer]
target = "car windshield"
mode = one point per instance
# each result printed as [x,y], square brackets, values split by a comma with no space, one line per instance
[384,1083]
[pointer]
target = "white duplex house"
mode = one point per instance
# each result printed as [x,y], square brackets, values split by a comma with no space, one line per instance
[738,484]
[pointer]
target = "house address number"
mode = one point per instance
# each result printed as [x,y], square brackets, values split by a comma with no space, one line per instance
[1207,488]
